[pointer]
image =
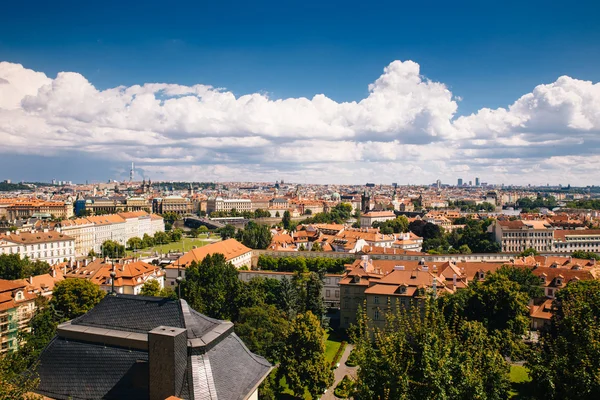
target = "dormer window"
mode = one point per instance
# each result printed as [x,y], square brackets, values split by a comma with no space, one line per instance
[559,281]
[402,289]
[481,275]
[19,295]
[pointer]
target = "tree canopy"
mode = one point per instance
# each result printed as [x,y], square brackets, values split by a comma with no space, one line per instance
[255,236]
[12,266]
[74,297]
[566,362]
[302,359]
[112,249]
[418,355]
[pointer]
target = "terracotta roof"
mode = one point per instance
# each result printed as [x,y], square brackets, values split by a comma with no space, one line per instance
[230,248]
[36,237]
[561,234]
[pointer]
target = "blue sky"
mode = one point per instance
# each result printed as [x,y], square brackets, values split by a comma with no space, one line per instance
[488,54]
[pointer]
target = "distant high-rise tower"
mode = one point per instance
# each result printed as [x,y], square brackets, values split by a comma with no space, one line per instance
[131,172]
[476,181]
[460,182]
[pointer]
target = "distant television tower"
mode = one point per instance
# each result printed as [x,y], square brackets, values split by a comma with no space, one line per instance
[131,173]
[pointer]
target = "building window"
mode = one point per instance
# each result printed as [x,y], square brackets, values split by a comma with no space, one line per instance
[337,294]
[376,299]
[376,316]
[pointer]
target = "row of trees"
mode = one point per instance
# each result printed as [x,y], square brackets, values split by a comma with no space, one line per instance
[136,243]
[303,264]
[471,206]
[255,236]
[12,266]
[530,205]
[397,225]
[585,204]
[339,214]
[472,238]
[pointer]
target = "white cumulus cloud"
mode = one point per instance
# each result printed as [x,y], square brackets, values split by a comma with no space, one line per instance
[404,130]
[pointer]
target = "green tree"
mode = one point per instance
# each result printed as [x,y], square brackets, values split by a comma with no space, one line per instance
[277,214]
[11,266]
[147,241]
[418,355]
[529,252]
[288,298]
[314,295]
[112,249]
[529,283]
[151,288]
[212,287]
[135,243]
[74,297]
[316,247]
[176,235]
[586,255]
[566,362]
[464,249]
[256,236]
[227,232]
[161,238]
[16,386]
[302,360]
[497,302]
[203,229]
[287,218]
[263,329]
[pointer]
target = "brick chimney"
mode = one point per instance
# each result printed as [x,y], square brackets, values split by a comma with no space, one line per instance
[167,357]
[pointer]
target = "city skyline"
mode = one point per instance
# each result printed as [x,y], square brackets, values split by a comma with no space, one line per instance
[386,109]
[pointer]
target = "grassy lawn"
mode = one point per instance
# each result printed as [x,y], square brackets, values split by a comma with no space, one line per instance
[184,244]
[332,344]
[519,378]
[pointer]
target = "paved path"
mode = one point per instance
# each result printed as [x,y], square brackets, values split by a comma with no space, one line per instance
[339,373]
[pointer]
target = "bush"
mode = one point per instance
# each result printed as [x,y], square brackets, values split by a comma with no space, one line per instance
[338,353]
[344,389]
[352,361]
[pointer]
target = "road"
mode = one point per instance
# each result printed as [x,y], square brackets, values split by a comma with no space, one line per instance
[339,373]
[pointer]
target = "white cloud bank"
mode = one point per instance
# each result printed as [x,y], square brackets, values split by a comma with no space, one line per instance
[404,131]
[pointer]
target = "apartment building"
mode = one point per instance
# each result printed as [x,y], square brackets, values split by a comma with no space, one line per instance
[367,219]
[220,204]
[108,227]
[52,247]
[175,204]
[83,231]
[331,283]
[517,236]
[234,252]
[568,241]
[16,310]
[25,208]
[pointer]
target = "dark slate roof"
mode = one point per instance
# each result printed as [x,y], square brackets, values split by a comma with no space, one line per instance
[235,379]
[75,370]
[85,369]
[143,313]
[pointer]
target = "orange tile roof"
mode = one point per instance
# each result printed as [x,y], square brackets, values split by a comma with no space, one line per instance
[230,248]
[36,237]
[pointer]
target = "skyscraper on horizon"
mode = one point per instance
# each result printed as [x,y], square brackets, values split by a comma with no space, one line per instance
[476,181]
[460,182]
